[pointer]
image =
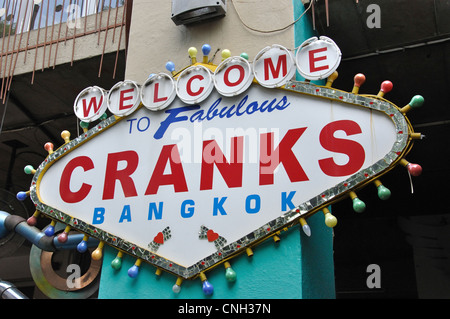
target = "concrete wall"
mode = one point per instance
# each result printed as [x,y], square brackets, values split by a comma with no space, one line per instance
[155,39]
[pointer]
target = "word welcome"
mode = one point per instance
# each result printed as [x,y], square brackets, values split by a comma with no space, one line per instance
[273,67]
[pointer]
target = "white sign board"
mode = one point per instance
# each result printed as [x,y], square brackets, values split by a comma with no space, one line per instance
[194,182]
[191,171]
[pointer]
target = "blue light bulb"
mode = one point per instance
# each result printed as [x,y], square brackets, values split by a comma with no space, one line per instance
[208,289]
[49,231]
[82,246]
[133,271]
[170,66]
[21,196]
[206,48]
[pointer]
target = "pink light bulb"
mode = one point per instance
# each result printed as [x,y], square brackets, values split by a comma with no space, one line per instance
[414,169]
[386,86]
[359,79]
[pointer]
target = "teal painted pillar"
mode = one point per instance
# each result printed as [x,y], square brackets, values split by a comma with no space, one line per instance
[297,267]
[303,31]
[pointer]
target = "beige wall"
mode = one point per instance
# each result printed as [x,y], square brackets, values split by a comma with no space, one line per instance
[155,39]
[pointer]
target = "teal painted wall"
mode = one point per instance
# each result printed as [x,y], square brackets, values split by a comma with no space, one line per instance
[296,267]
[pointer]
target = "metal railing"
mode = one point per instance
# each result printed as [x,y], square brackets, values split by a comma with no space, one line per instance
[54,21]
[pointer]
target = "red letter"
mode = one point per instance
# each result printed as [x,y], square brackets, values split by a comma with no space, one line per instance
[64,187]
[176,178]
[241,75]
[123,99]
[112,173]
[282,62]
[231,172]
[156,98]
[270,159]
[353,149]
[92,102]
[313,59]
[188,85]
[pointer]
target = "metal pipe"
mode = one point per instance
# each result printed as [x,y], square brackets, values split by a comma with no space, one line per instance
[9,291]
[37,237]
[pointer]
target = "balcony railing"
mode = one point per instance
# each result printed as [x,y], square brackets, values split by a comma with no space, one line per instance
[50,22]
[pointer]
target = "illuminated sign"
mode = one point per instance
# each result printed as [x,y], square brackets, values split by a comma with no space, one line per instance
[194,169]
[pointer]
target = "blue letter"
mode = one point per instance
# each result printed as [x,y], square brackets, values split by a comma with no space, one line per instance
[218,206]
[152,209]
[131,124]
[173,118]
[257,207]
[287,201]
[190,209]
[126,214]
[139,122]
[99,217]
[282,104]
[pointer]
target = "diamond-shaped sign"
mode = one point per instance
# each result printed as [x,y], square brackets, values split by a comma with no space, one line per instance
[218,176]
[192,184]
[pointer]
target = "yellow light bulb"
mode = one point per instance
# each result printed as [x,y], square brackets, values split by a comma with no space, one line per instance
[330,220]
[66,136]
[98,254]
[226,54]
[193,54]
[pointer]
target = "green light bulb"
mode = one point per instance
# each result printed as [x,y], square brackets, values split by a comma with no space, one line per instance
[416,101]
[383,192]
[230,274]
[358,205]
[116,264]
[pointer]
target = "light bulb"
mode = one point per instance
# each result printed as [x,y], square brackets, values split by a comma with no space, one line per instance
[62,238]
[82,246]
[305,227]
[50,231]
[208,289]
[116,264]
[21,195]
[206,49]
[176,288]
[306,230]
[383,192]
[359,79]
[226,54]
[170,66]
[230,274]
[358,205]
[244,55]
[192,52]
[29,169]
[133,271]
[416,101]
[97,254]
[330,220]
[414,169]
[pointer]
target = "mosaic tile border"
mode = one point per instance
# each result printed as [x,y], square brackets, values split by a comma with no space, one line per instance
[287,219]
